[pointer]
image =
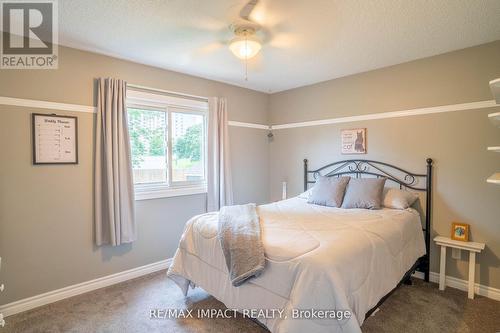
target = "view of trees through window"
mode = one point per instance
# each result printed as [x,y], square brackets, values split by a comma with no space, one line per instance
[187,147]
[148,138]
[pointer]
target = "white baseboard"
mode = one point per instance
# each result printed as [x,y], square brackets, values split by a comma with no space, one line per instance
[460,284]
[81,288]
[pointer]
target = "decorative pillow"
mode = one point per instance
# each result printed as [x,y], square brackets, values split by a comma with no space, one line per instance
[328,191]
[364,193]
[398,199]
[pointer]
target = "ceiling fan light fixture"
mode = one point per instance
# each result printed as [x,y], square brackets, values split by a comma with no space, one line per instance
[244,48]
[245,45]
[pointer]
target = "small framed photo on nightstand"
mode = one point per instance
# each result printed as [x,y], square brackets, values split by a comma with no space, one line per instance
[460,231]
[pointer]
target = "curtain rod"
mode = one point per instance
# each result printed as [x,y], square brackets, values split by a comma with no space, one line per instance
[166,92]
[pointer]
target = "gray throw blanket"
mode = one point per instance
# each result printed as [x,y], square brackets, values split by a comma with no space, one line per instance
[240,238]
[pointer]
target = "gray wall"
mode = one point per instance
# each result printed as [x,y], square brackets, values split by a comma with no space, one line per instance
[46,211]
[457,141]
[46,235]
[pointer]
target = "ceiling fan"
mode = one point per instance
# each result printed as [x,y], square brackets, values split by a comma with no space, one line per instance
[245,44]
[249,29]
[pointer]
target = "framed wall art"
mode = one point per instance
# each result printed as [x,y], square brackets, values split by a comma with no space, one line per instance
[353,141]
[55,139]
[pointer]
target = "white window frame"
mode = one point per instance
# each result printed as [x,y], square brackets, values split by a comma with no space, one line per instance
[169,104]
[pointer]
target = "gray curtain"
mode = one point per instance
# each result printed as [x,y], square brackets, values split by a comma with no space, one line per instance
[219,186]
[113,184]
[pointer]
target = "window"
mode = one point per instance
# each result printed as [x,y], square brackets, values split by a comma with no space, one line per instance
[148,144]
[188,160]
[168,144]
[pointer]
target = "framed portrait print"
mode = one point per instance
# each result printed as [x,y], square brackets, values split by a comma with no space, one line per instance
[353,141]
[460,231]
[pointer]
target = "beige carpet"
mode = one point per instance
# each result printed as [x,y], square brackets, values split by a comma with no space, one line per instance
[126,308]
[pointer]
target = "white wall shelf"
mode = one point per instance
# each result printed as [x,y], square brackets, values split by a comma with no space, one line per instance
[495,89]
[494,178]
[2,287]
[495,118]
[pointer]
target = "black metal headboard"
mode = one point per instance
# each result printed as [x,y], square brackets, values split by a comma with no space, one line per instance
[405,180]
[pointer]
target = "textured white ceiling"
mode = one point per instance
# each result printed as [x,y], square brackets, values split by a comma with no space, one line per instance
[305,41]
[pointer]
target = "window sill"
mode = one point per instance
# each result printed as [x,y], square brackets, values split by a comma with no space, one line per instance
[147,194]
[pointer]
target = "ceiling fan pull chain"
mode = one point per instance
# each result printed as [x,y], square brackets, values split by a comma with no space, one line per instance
[246,60]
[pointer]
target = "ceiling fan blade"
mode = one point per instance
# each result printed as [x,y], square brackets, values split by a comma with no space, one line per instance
[283,40]
[246,11]
[208,49]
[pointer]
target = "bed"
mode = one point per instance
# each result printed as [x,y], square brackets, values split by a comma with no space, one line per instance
[327,268]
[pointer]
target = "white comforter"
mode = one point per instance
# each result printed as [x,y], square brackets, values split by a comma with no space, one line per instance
[316,258]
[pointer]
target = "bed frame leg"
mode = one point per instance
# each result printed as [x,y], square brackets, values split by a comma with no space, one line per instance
[408,281]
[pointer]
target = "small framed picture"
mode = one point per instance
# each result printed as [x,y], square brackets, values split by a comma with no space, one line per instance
[460,231]
[353,141]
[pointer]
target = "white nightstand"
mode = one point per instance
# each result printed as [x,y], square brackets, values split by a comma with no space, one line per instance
[472,247]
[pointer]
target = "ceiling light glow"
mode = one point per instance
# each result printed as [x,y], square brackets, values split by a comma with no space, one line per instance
[245,47]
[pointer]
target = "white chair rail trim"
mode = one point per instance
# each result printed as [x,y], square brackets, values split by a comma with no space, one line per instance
[392,114]
[31,103]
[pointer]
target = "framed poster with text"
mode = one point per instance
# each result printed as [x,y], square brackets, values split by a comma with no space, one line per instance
[55,139]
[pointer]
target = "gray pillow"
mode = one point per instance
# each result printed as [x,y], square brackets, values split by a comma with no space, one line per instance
[364,193]
[328,191]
